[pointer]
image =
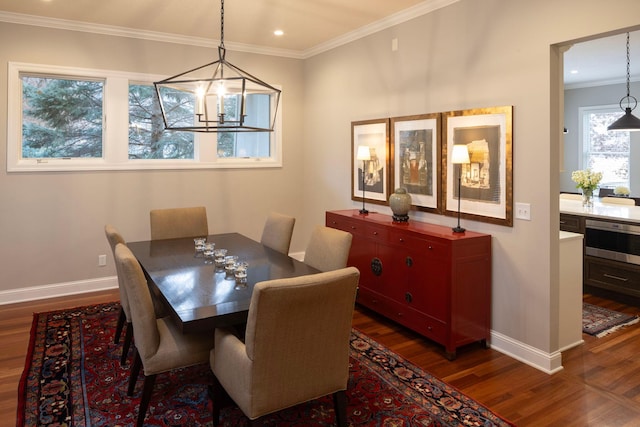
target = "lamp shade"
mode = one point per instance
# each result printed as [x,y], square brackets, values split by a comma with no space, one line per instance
[628,122]
[460,154]
[364,153]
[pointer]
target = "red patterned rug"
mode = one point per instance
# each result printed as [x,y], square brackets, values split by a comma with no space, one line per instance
[73,377]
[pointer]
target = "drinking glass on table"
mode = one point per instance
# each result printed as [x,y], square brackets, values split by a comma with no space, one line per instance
[199,243]
[230,265]
[209,251]
[218,258]
[240,274]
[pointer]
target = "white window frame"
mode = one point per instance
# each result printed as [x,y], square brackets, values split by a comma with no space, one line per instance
[584,131]
[115,154]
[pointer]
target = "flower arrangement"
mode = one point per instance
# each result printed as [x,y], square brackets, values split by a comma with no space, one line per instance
[621,191]
[586,179]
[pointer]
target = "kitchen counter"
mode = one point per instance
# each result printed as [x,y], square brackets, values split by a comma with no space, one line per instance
[600,210]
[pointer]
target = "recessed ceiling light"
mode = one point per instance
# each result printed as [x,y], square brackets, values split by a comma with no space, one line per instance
[574,71]
[278,32]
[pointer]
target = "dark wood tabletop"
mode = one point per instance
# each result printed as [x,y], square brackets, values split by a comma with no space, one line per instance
[200,298]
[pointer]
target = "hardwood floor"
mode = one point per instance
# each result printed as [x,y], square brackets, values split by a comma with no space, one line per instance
[599,386]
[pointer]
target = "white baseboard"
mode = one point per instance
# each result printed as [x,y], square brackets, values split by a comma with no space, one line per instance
[12,296]
[549,363]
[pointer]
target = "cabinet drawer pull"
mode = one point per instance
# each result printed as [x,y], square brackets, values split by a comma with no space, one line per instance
[408,297]
[430,247]
[375,233]
[610,276]
[353,227]
[401,240]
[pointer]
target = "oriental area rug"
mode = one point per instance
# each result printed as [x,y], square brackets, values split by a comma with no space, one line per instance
[73,377]
[600,321]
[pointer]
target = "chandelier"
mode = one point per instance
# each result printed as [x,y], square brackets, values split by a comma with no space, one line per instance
[217,97]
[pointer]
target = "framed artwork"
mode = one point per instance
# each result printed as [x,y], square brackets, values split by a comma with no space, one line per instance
[486,182]
[372,136]
[416,159]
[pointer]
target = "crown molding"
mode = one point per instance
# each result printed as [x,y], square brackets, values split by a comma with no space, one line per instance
[405,15]
[110,30]
[420,9]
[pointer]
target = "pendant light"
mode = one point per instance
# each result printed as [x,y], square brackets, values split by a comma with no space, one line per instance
[217,97]
[628,122]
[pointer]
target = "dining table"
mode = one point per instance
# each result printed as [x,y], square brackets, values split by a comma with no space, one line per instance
[199,296]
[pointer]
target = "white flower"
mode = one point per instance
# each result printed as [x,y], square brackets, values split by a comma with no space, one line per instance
[586,179]
[621,191]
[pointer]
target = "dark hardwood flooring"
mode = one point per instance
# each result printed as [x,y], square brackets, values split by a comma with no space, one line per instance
[599,385]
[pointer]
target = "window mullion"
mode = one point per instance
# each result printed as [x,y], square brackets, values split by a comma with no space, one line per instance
[116,140]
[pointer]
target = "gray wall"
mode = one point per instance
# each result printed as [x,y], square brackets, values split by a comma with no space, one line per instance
[592,96]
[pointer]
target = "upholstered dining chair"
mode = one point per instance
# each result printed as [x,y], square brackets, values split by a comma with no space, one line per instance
[295,348]
[618,201]
[159,345]
[124,319]
[328,248]
[178,222]
[277,232]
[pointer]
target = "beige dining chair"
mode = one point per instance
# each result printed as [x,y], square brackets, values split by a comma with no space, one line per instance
[277,232]
[570,196]
[618,201]
[328,248]
[159,346]
[124,319]
[178,222]
[280,363]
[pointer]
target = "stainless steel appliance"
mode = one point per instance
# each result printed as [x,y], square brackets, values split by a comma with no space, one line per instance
[613,240]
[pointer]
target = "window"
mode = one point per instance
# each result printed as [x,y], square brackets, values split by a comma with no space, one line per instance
[602,150]
[147,138]
[247,144]
[63,118]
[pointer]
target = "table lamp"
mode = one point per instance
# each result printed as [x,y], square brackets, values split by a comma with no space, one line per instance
[364,154]
[459,156]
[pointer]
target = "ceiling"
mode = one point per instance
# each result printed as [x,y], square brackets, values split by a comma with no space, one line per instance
[305,23]
[309,26]
[602,61]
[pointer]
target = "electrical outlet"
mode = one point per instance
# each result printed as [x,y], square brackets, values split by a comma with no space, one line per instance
[523,211]
[102,260]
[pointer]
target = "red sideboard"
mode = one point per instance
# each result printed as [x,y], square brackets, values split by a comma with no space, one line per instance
[423,276]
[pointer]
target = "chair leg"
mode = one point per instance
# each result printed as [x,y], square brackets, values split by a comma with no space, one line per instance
[340,403]
[135,370]
[217,394]
[128,333]
[121,319]
[147,390]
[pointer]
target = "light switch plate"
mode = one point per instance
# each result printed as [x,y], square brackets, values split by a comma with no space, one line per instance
[523,211]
